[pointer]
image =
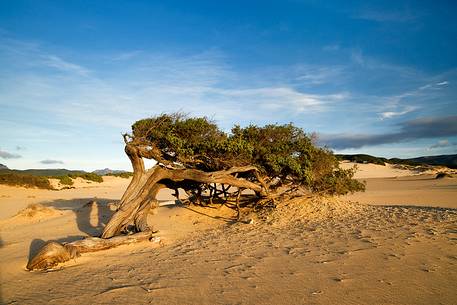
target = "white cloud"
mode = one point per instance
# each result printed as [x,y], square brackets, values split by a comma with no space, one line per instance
[58,63]
[442,144]
[391,114]
[276,98]
[126,55]
[434,86]
[8,155]
[317,75]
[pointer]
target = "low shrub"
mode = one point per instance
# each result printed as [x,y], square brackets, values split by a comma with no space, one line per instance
[66,180]
[87,176]
[121,175]
[14,179]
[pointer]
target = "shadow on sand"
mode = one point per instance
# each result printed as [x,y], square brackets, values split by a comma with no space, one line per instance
[91,214]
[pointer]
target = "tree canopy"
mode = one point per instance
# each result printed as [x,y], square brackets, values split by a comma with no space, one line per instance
[280,152]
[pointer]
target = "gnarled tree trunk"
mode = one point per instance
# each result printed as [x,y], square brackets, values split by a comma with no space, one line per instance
[142,191]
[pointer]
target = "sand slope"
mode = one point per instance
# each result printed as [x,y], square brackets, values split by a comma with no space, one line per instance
[320,251]
[419,190]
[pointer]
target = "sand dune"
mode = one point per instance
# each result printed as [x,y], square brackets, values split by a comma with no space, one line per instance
[308,251]
[388,170]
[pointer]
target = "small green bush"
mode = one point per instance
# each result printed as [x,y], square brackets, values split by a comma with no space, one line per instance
[66,180]
[121,175]
[87,176]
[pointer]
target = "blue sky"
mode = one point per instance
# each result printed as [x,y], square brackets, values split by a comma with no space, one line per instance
[377,77]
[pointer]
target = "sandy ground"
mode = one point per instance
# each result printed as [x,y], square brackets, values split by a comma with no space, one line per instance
[390,185]
[307,251]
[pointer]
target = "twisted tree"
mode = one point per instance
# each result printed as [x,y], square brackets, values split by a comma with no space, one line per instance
[250,167]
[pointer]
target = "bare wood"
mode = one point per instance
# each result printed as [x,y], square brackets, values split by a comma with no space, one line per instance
[53,253]
[158,175]
[238,216]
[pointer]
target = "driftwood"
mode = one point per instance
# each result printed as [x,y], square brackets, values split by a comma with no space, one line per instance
[53,253]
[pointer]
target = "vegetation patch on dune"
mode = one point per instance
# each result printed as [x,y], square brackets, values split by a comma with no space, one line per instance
[14,179]
[125,175]
[36,179]
[87,176]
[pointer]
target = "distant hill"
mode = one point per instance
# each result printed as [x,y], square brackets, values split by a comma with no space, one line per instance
[43,172]
[447,160]
[106,171]
[3,167]
[444,160]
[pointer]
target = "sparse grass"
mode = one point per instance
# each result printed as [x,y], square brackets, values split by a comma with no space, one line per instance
[14,179]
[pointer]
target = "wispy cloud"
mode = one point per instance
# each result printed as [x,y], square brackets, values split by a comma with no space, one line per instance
[392,114]
[126,55]
[434,86]
[51,161]
[8,155]
[152,83]
[317,75]
[277,98]
[58,63]
[442,144]
[398,105]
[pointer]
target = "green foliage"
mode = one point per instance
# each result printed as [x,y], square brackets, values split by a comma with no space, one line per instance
[45,172]
[87,176]
[66,180]
[278,151]
[125,175]
[362,158]
[338,182]
[15,179]
[31,178]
